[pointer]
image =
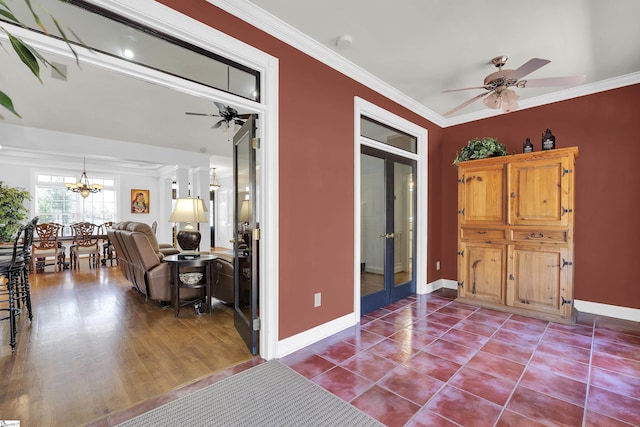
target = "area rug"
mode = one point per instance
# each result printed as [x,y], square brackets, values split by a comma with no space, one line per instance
[270,394]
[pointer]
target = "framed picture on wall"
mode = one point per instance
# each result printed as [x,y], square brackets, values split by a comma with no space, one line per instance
[139,201]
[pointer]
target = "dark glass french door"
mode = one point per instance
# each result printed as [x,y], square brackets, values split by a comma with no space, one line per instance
[247,235]
[388,235]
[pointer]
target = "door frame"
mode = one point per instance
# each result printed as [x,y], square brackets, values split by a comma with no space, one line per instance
[170,21]
[366,108]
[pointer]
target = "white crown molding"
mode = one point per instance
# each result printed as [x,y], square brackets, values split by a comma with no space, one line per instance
[279,29]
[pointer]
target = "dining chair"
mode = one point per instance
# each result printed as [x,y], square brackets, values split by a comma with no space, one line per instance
[85,242]
[108,250]
[46,247]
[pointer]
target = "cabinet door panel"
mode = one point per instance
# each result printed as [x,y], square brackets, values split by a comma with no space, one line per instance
[481,194]
[483,271]
[538,279]
[539,192]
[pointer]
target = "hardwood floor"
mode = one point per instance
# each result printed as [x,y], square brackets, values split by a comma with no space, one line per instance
[96,347]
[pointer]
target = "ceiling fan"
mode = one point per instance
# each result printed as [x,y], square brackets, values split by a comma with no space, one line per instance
[497,84]
[228,115]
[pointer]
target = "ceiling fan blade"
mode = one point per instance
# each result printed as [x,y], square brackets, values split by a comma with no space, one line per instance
[244,116]
[220,106]
[554,81]
[528,67]
[218,124]
[466,103]
[200,114]
[464,88]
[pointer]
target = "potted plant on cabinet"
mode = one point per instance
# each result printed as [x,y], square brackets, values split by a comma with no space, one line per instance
[12,210]
[480,148]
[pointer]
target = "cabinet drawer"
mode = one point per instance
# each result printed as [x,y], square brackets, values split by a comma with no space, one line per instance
[559,236]
[482,234]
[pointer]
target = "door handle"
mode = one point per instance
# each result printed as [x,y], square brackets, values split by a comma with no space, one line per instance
[387,236]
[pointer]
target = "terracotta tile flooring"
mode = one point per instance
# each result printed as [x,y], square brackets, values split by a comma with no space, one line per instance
[430,361]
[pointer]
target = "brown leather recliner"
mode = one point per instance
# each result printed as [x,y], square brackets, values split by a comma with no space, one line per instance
[141,261]
[223,277]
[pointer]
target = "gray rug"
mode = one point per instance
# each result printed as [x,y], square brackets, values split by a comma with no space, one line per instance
[270,394]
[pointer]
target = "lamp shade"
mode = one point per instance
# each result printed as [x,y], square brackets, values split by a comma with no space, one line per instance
[189,210]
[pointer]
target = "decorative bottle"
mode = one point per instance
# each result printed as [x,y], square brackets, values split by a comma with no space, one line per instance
[527,146]
[548,140]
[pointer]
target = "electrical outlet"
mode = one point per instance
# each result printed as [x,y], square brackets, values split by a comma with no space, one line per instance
[317,299]
[437,265]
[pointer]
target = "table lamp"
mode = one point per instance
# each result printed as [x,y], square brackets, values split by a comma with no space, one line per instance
[189,210]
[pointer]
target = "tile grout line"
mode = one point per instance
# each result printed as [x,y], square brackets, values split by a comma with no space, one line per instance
[586,396]
[515,387]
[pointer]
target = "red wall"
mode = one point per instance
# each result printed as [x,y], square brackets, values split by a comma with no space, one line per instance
[316,179]
[316,176]
[606,129]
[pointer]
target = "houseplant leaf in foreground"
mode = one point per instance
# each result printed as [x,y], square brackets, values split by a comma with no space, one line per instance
[5,101]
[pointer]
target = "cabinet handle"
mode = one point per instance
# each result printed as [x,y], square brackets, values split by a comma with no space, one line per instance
[481,232]
[537,235]
[513,195]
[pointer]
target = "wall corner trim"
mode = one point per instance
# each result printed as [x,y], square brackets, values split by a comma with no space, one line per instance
[427,288]
[313,335]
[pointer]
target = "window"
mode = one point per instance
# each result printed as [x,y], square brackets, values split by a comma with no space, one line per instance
[380,132]
[55,204]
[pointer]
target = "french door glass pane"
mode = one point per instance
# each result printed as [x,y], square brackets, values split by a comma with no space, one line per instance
[372,247]
[403,223]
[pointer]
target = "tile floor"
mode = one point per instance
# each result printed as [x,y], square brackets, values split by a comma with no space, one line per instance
[430,361]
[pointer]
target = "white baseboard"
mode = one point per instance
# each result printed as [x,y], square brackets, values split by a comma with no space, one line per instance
[306,338]
[597,308]
[616,311]
[427,288]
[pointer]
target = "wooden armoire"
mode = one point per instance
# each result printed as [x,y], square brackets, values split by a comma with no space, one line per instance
[515,233]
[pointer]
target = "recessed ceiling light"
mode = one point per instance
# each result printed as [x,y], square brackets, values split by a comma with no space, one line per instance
[128,53]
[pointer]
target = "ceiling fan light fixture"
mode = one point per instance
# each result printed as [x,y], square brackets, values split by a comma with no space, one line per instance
[492,101]
[509,100]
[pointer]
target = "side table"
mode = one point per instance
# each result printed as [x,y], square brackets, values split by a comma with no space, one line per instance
[204,262]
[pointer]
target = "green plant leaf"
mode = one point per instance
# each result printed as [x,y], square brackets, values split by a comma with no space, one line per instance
[6,102]
[66,40]
[26,55]
[36,17]
[477,148]
[7,13]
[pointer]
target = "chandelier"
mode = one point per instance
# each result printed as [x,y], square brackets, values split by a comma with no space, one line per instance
[213,182]
[83,186]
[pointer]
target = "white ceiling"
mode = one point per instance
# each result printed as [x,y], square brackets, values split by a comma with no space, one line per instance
[419,47]
[422,47]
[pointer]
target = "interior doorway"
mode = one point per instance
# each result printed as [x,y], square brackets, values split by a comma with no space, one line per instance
[390,208]
[193,32]
[387,198]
